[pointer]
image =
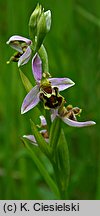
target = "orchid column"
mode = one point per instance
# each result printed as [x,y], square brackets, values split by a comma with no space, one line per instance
[49,135]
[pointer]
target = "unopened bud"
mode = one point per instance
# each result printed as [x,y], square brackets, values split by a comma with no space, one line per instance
[48,20]
[39,25]
[33,21]
[43,26]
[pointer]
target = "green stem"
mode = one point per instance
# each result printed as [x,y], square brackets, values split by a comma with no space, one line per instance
[54,133]
[42,170]
[60,160]
[48,119]
[44,57]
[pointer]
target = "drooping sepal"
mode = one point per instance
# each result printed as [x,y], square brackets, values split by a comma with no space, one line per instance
[31,100]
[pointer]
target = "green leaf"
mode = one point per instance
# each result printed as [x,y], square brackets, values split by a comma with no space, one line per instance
[43,145]
[62,157]
[27,84]
[42,170]
[54,133]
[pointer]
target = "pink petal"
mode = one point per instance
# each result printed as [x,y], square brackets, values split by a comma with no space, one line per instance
[19,38]
[54,113]
[37,67]
[76,123]
[61,83]
[25,57]
[31,138]
[31,100]
[17,46]
[43,120]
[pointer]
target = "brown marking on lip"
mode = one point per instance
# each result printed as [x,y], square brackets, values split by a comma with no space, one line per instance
[48,89]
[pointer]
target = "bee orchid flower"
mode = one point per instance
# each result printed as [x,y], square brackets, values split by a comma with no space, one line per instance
[22,46]
[32,139]
[43,132]
[69,116]
[45,89]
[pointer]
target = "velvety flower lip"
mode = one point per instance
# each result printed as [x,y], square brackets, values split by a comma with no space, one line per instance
[32,98]
[16,42]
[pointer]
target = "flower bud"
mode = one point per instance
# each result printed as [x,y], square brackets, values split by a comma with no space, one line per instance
[39,25]
[43,26]
[33,21]
[48,20]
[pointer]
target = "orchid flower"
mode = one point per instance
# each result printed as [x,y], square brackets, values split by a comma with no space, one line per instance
[45,89]
[68,116]
[22,46]
[44,132]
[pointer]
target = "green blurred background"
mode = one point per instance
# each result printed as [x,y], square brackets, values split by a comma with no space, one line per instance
[73,47]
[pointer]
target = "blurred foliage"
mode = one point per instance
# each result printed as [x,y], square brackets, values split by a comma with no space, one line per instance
[73,47]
